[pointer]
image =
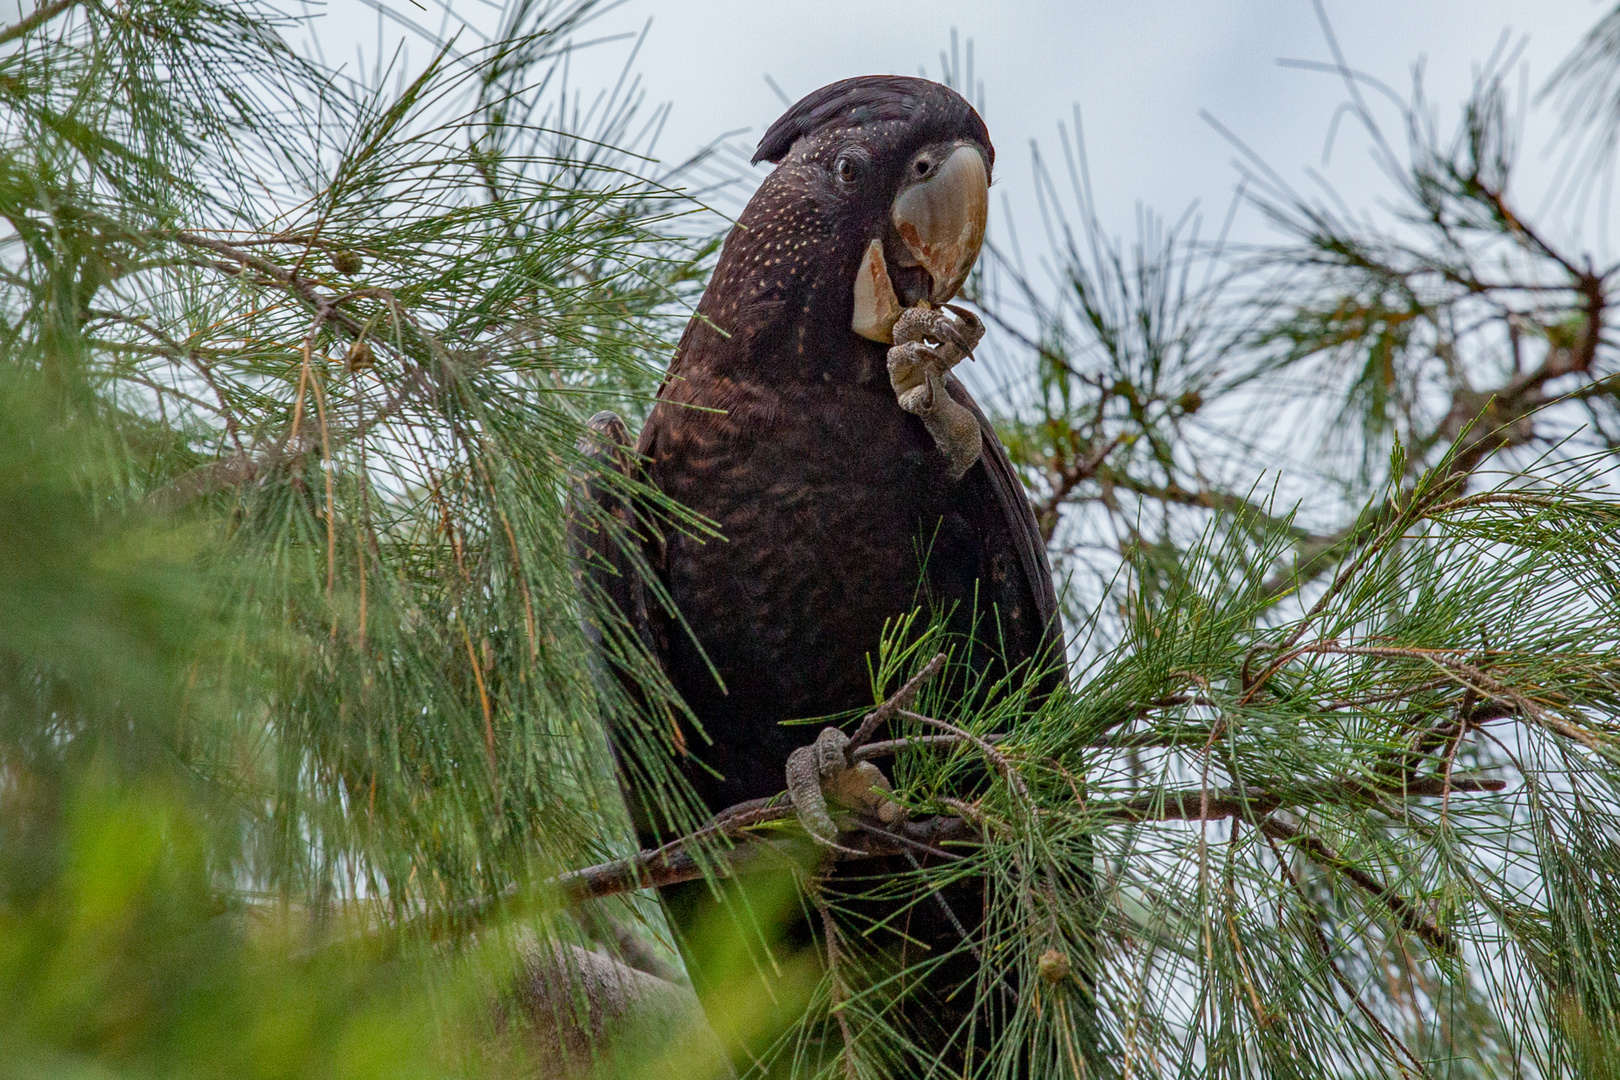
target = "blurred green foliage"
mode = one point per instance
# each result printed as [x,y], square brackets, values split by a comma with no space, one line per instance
[298,721]
[290,664]
[119,950]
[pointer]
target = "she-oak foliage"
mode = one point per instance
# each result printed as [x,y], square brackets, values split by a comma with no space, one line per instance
[292,685]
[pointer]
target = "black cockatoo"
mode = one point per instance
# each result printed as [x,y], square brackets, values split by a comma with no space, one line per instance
[810,414]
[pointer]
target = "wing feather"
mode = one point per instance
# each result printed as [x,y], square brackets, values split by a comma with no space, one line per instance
[1019,518]
[600,526]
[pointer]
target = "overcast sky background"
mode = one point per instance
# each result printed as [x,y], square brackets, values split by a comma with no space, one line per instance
[1140,73]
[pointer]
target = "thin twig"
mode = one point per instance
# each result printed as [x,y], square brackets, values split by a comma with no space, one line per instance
[991,754]
[894,746]
[896,701]
[674,862]
[39,17]
[1399,906]
[1190,804]
[1325,950]
[829,930]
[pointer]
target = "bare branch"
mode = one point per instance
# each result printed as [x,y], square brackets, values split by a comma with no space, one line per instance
[674,862]
[896,701]
[1255,803]
[39,17]
[1399,906]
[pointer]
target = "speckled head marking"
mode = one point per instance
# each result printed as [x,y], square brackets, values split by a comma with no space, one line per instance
[846,155]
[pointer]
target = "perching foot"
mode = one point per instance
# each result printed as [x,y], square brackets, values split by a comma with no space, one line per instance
[823,771]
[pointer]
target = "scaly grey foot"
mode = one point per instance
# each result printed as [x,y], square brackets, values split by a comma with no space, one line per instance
[823,771]
[917,373]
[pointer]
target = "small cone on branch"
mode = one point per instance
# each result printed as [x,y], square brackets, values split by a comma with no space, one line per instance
[1054,966]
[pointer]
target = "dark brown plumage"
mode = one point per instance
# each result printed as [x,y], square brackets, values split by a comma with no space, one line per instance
[836,507]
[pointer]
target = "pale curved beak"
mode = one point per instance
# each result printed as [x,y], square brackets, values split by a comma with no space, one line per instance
[941,220]
[876,306]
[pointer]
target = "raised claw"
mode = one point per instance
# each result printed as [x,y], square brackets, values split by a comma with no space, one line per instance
[969,327]
[956,330]
[913,374]
[917,374]
[823,770]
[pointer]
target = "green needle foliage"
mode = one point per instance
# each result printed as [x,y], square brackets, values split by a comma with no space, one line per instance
[1374,840]
[296,370]
[299,723]
[347,339]
[1337,520]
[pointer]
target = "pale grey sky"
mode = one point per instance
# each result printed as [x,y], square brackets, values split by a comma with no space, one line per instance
[1140,74]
